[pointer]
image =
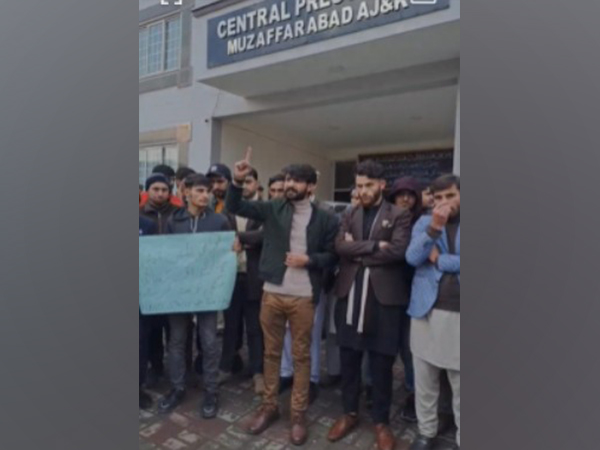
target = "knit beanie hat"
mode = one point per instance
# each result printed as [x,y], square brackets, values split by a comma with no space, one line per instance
[157,178]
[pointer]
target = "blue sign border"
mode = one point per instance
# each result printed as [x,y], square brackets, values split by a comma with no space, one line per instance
[217,47]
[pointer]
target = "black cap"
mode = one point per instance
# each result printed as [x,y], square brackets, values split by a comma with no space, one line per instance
[157,178]
[219,170]
[165,170]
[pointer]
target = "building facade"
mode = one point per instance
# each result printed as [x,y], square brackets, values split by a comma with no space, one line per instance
[324,82]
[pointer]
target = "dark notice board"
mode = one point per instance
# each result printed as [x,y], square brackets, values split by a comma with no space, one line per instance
[425,166]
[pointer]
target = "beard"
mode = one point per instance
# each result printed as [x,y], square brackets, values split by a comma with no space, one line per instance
[294,195]
[368,200]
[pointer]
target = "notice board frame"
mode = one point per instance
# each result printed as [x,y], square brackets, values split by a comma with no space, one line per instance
[427,165]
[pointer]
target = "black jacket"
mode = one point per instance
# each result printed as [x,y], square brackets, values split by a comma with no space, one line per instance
[160,216]
[147,227]
[183,223]
[252,241]
[276,216]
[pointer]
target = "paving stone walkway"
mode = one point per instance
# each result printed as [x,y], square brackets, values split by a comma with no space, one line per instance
[184,429]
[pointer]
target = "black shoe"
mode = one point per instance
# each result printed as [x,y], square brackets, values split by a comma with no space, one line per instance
[408,412]
[285,383]
[145,400]
[238,364]
[331,381]
[171,401]
[313,393]
[369,397]
[210,406]
[422,443]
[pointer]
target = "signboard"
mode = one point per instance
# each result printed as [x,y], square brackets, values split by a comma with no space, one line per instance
[425,166]
[276,25]
[186,272]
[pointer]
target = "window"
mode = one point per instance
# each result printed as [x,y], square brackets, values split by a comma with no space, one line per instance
[160,46]
[150,157]
[344,180]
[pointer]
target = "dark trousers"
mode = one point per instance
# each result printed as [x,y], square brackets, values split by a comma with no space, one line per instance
[381,368]
[242,311]
[180,331]
[445,401]
[158,334]
[406,354]
[144,333]
[156,338]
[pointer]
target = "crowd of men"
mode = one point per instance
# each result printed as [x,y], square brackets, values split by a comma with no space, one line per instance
[378,281]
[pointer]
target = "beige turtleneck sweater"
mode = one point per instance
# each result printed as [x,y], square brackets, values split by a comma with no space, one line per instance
[296,282]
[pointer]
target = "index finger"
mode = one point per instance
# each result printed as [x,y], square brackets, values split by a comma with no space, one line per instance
[248,155]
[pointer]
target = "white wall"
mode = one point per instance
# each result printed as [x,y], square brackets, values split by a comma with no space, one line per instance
[269,156]
[171,107]
[457,139]
[193,105]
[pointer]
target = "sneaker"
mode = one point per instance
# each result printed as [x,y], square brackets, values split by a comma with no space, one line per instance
[210,406]
[171,401]
[259,384]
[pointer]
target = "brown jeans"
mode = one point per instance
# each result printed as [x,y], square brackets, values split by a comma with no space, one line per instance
[276,311]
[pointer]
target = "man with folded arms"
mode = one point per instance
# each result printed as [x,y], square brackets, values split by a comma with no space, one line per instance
[373,292]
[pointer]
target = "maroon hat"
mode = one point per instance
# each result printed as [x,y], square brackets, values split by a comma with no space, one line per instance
[405,184]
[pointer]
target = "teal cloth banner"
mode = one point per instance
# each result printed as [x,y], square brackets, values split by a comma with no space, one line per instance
[186,273]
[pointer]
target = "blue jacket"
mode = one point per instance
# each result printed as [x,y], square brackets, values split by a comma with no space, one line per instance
[425,288]
[147,227]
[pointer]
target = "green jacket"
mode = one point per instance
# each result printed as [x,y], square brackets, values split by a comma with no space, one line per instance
[276,216]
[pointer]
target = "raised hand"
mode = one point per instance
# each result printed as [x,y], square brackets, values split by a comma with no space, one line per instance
[242,168]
